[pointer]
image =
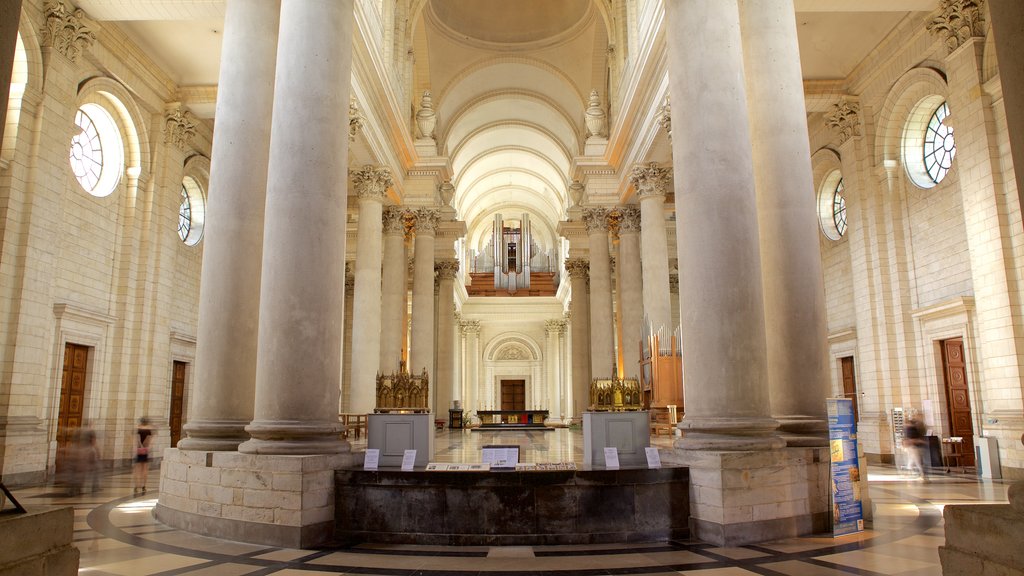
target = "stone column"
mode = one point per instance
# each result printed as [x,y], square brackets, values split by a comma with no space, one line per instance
[651,183]
[301,300]
[345,402]
[229,298]
[392,290]
[444,382]
[1008,32]
[553,373]
[371,185]
[794,289]
[10,18]
[579,307]
[631,286]
[602,344]
[716,229]
[471,328]
[421,350]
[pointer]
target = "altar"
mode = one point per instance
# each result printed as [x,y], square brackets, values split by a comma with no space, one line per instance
[512,419]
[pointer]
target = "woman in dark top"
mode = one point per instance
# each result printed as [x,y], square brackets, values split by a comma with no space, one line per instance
[143,436]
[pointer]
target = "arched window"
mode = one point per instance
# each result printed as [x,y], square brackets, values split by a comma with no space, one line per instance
[832,206]
[97,152]
[191,212]
[928,144]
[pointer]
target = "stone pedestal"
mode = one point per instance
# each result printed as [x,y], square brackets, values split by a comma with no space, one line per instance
[276,500]
[741,497]
[983,540]
[393,434]
[630,432]
[38,543]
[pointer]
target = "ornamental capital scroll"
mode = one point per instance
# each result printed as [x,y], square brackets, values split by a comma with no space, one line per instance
[958,21]
[595,219]
[372,182]
[578,268]
[179,128]
[446,268]
[844,119]
[65,30]
[649,179]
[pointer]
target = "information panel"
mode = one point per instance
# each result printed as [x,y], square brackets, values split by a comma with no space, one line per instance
[847,511]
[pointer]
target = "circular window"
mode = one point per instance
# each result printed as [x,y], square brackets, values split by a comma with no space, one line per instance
[96,154]
[832,206]
[191,212]
[928,145]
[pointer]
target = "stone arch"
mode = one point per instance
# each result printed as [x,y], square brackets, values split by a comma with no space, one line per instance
[113,96]
[914,86]
[507,341]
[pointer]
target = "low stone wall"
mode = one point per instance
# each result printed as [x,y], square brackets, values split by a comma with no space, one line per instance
[985,540]
[38,543]
[512,508]
[285,501]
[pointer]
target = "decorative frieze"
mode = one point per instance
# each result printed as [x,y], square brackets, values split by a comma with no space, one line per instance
[65,30]
[595,219]
[650,179]
[577,268]
[427,220]
[446,268]
[179,128]
[957,21]
[372,182]
[844,119]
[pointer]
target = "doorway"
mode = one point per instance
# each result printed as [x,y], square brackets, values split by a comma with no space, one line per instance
[513,394]
[958,400]
[177,400]
[72,400]
[849,384]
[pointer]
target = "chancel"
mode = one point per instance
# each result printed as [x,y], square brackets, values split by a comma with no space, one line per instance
[284,232]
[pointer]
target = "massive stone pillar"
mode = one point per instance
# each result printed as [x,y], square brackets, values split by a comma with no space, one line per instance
[716,229]
[421,350]
[393,290]
[602,344]
[229,299]
[302,302]
[1008,32]
[10,17]
[371,184]
[794,290]
[579,307]
[444,382]
[631,290]
[651,183]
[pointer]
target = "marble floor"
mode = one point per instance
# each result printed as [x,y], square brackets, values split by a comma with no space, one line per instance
[117,534]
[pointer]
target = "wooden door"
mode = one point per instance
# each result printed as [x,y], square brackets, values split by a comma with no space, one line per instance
[177,400]
[513,394]
[72,399]
[849,384]
[958,400]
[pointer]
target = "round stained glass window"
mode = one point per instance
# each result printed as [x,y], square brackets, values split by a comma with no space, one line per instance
[939,146]
[839,208]
[96,153]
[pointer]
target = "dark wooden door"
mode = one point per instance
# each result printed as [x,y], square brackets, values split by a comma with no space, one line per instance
[72,399]
[513,394]
[849,384]
[958,400]
[177,400]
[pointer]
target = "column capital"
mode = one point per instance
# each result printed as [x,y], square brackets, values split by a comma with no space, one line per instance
[469,326]
[844,119]
[394,220]
[350,275]
[957,21]
[65,30]
[446,268]
[179,127]
[554,327]
[595,219]
[372,182]
[355,118]
[629,219]
[427,220]
[650,180]
[578,268]
[664,118]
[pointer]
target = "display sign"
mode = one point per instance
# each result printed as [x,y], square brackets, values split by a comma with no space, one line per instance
[501,456]
[653,457]
[847,511]
[611,457]
[455,467]
[408,460]
[372,459]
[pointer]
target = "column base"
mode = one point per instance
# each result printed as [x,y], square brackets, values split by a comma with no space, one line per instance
[284,501]
[294,437]
[803,431]
[739,498]
[984,539]
[214,435]
[740,434]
